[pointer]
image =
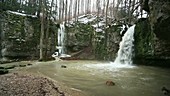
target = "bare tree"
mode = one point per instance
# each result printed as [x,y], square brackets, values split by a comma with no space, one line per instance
[104,7]
[48,15]
[98,10]
[106,33]
[66,4]
[70,10]
[63,9]
[60,10]
[75,11]
[129,12]
[42,29]
[78,10]
[107,6]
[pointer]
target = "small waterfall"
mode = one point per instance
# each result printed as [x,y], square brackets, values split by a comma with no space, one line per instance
[61,44]
[61,33]
[125,51]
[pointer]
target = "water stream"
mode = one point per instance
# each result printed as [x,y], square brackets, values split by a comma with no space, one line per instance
[90,76]
[125,52]
[61,34]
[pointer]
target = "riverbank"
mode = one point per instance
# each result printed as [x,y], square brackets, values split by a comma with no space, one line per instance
[86,78]
[19,82]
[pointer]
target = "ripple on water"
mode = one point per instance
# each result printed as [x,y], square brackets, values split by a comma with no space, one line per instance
[104,68]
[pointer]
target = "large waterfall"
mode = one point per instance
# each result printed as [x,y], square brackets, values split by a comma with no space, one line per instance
[125,51]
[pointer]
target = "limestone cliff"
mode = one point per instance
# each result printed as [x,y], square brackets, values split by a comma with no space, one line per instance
[153,41]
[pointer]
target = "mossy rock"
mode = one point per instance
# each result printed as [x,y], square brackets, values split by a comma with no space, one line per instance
[22,65]
[29,64]
[4,62]
[3,71]
[143,38]
[2,67]
[9,67]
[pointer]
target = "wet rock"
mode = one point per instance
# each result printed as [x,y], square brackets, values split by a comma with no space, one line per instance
[3,71]
[10,67]
[22,65]
[110,83]
[4,62]
[40,60]
[165,91]
[63,66]
[29,64]
[2,67]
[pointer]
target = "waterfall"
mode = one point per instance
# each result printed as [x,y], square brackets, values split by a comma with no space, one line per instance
[61,33]
[125,51]
[61,44]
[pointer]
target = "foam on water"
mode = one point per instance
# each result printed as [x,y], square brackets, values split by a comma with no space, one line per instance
[125,52]
[103,67]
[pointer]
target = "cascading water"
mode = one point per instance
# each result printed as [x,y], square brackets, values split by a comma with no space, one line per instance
[61,43]
[61,32]
[125,51]
[124,56]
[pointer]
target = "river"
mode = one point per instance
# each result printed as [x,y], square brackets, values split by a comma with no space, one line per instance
[91,76]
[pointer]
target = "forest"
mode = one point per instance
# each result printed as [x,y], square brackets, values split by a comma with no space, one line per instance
[49,14]
[80,47]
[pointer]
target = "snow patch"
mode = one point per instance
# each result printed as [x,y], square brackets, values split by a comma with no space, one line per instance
[21,14]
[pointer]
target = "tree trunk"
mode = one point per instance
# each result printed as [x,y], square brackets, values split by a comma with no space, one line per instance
[47,32]
[75,11]
[70,11]
[106,33]
[63,11]
[107,6]
[104,6]
[129,12]
[42,31]
[60,10]
[78,11]
[66,12]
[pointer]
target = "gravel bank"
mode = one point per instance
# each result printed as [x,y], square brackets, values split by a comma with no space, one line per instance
[17,84]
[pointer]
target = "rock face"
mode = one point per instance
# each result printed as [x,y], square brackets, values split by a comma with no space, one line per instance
[160,18]
[160,25]
[20,36]
[154,43]
[93,40]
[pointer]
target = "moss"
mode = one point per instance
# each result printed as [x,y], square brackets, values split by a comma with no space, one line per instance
[107,48]
[82,35]
[143,39]
[21,34]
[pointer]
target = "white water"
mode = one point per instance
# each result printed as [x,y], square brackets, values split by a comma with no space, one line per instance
[61,33]
[61,43]
[125,51]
